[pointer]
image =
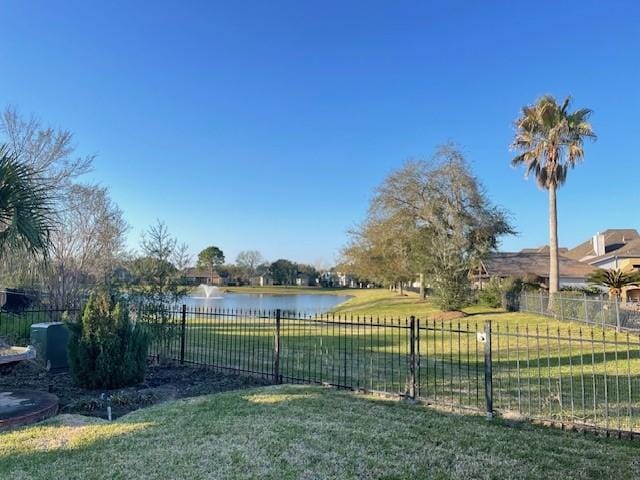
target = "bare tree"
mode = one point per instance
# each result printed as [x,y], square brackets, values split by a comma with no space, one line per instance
[156,272]
[158,243]
[249,261]
[181,258]
[87,245]
[49,152]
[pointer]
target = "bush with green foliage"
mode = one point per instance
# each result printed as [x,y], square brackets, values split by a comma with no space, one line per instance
[452,291]
[106,350]
[503,293]
[491,293]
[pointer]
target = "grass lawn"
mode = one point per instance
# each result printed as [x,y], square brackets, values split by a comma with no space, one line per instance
[377,302]
[563,371]
[300,432]
[553,370]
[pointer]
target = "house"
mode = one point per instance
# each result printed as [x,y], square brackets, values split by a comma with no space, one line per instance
[612,249]
[262,280]
[603,244]
[532,264]
[306,280]
[346,280]
[334,279]
[202,276]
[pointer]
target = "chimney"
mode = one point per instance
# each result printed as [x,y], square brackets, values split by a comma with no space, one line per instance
[598,244]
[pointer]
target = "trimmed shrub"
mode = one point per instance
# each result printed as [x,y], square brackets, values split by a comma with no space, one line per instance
[452,291]
[105,349]
[491,293]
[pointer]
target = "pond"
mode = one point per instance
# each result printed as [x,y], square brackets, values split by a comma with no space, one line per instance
[307,304]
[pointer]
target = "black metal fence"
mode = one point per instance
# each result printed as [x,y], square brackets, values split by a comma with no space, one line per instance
[15,327]
[584,377]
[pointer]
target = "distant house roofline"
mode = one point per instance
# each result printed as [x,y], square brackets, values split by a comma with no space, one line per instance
[608,241]
[518,264]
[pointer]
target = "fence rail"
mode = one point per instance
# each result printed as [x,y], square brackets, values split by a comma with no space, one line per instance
[581,376]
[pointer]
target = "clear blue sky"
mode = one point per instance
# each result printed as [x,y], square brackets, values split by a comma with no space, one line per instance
[266,125]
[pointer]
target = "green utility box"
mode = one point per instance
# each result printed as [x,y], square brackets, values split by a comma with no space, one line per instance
[50,341]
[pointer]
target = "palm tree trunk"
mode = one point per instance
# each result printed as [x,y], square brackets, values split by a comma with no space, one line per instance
[554,276]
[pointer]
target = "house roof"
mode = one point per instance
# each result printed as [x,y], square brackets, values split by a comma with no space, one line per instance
[629,249]
[614,239]
[543,249]
[518,264]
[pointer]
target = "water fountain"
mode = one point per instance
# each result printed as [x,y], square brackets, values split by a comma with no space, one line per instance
[210,291]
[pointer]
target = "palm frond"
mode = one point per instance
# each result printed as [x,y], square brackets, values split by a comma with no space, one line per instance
[614,279]
[26,215]
[549,139]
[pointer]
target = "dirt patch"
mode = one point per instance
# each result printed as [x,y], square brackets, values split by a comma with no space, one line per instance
[447,316]
[162,383]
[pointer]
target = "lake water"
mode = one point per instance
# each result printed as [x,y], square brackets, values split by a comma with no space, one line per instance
[308,304]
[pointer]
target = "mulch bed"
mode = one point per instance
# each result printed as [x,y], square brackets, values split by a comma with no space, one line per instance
[168,381]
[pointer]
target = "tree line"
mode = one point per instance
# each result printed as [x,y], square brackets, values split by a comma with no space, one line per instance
[430,218]
[61,235]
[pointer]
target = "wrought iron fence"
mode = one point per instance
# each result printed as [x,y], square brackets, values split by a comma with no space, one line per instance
[15,327]
[585,376]
[581,308]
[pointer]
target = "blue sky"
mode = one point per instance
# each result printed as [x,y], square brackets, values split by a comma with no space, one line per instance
[266,125]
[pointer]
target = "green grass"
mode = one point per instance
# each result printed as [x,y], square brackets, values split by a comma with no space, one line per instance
[15,328]
[553,370]
[305,432]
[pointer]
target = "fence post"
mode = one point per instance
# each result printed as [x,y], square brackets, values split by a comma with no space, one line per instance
[615,299]
[183,331]
[488,370]
[276,349]
[412,358]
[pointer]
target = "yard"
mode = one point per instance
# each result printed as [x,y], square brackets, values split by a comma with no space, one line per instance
[544,369]
[299,432]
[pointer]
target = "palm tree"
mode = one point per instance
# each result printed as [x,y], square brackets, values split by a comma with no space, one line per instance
[615,280]
[26,216]
[549,139]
